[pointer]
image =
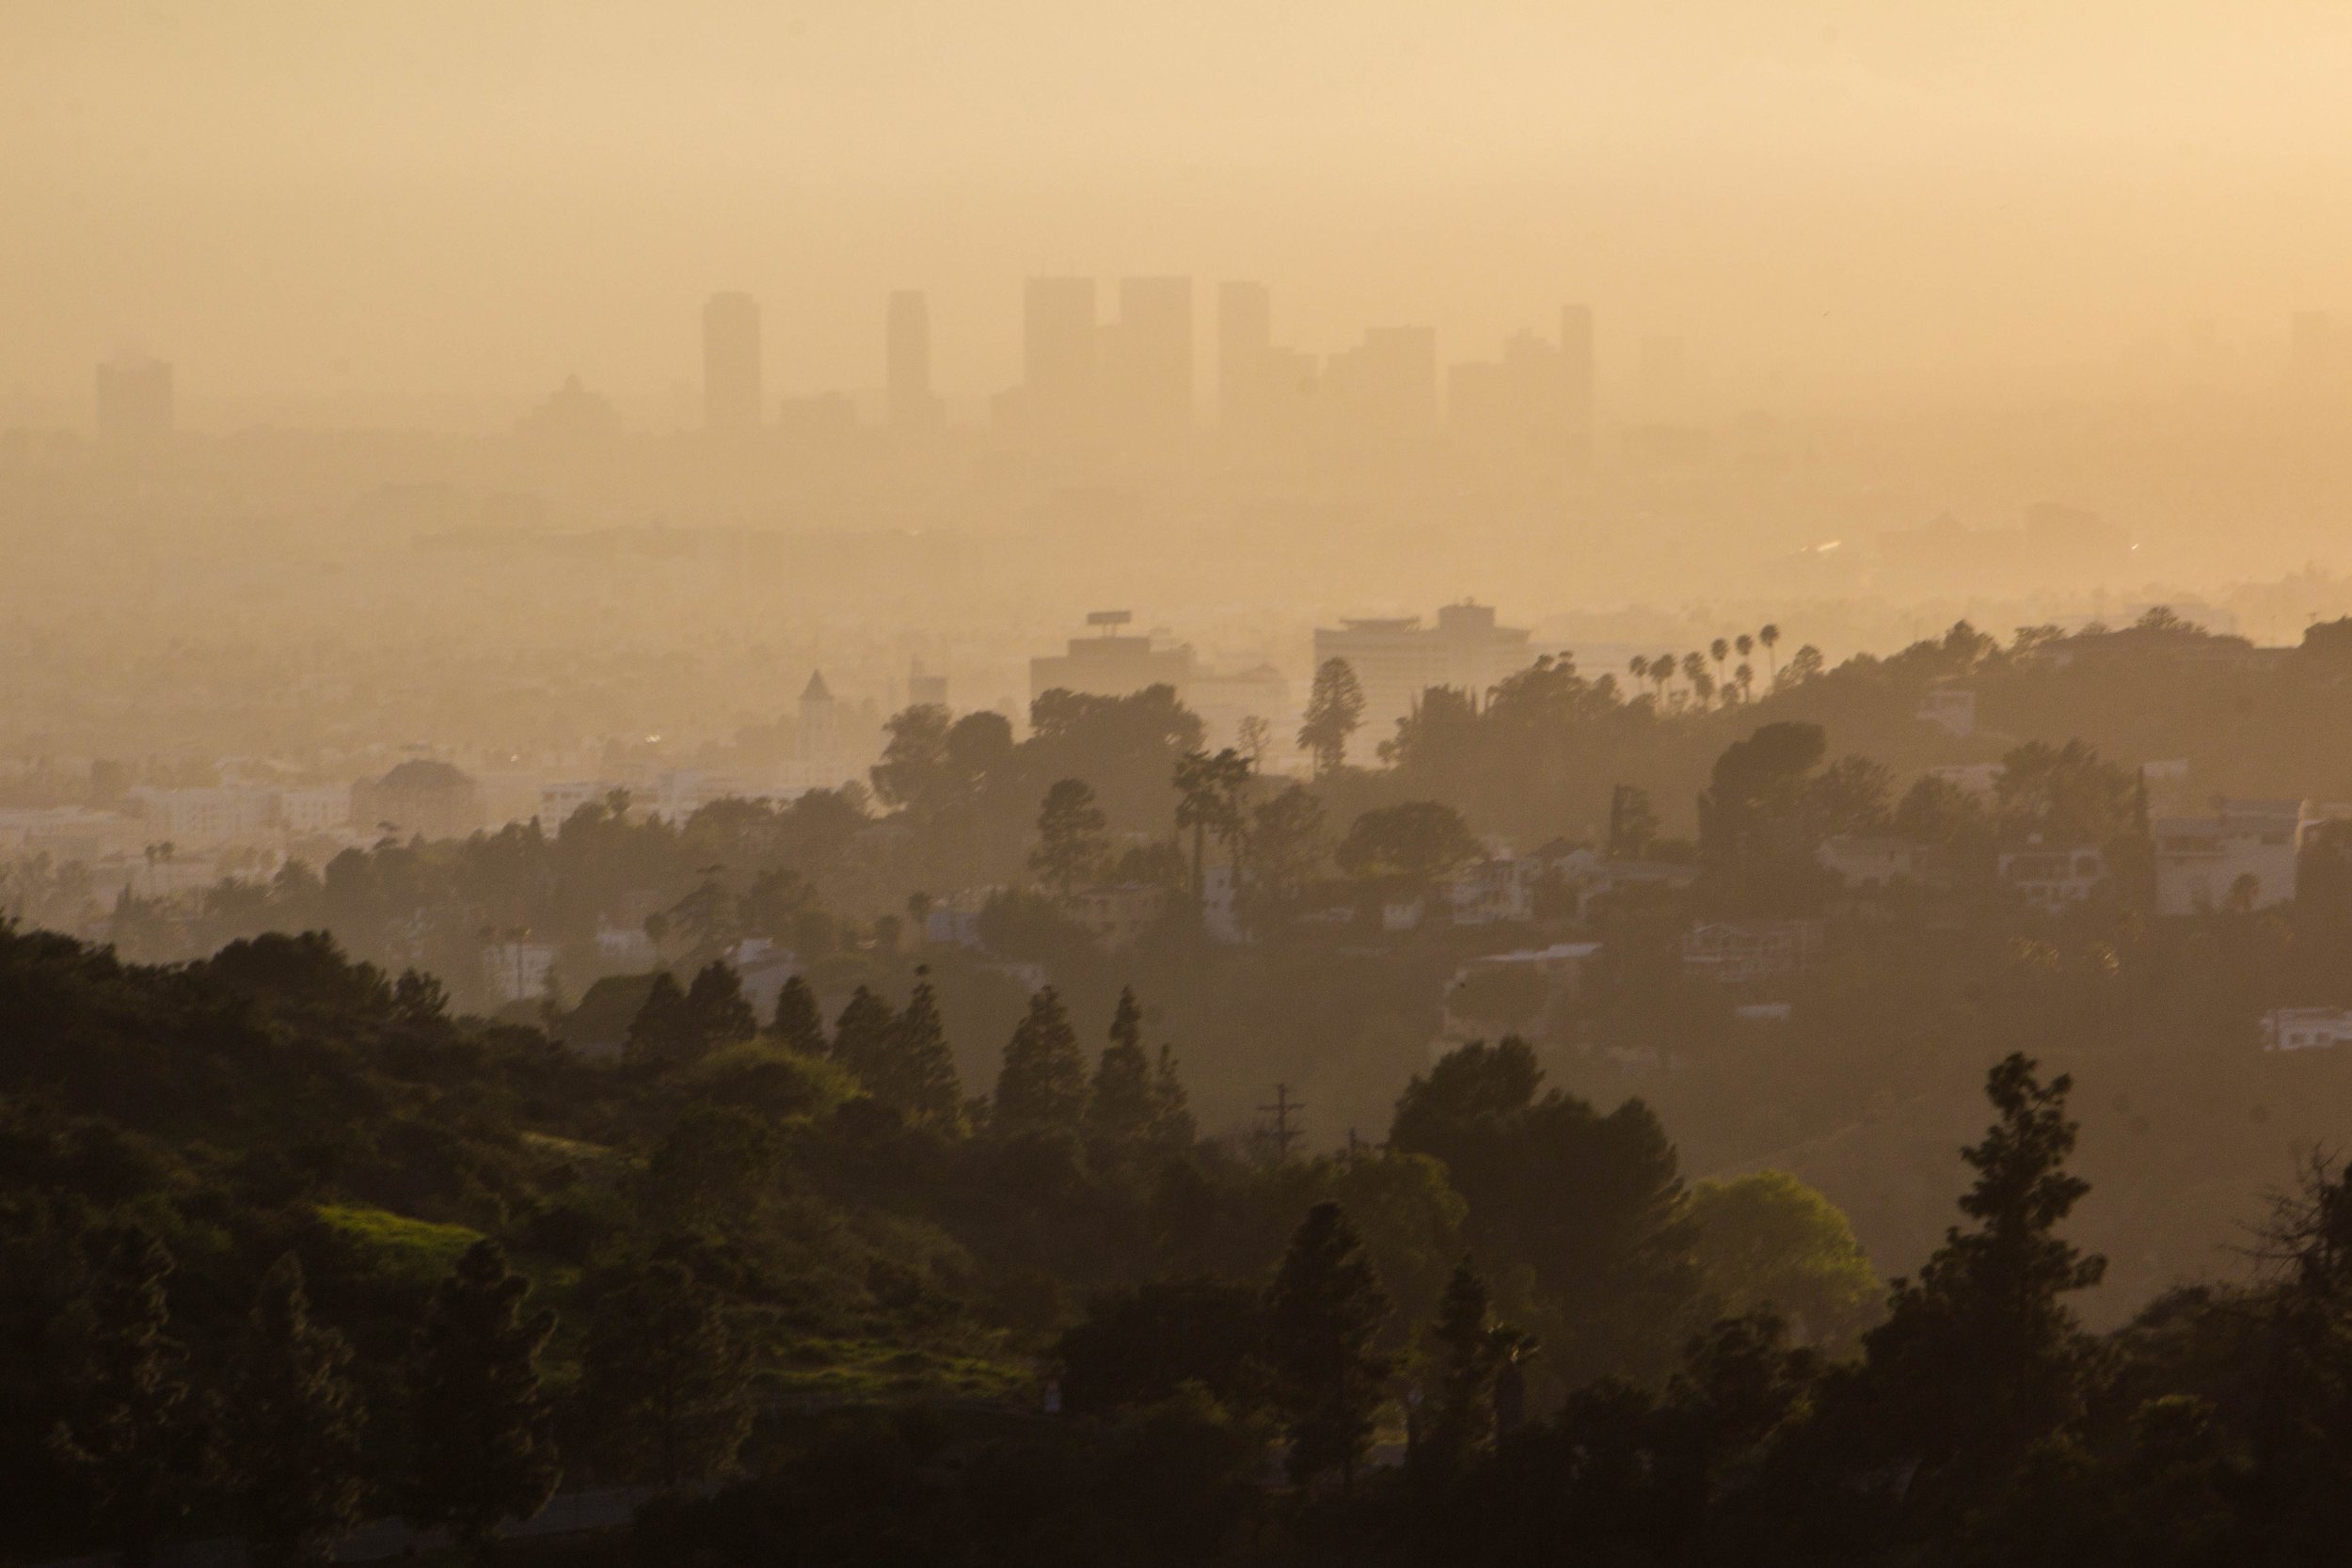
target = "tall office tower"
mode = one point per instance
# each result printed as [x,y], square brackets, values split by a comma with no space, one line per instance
[1576,371]
[134,406]
[1386,384]
[1057,351]
[1151,356]
[1245,354]
[907,354]
[731,363]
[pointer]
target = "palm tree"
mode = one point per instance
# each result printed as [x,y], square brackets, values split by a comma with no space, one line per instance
[1662,670]
[1694,670]
[1745,643]
[1770,637]
[1720,650]
[1746,675]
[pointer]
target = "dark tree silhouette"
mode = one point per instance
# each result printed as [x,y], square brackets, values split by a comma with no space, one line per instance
[662,1375]
[1122,1109]
[798,1025]
[1335,707]
[1043,1084]
[1324,1313]
[484,1429]
[1070,843]
[293,1424]
[132,1430]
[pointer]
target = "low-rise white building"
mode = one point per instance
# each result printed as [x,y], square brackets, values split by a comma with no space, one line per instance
[2247,849]
[1863,860]
[517,970]
[1733,952]
[2306,1028]
[1491,892]
[2053,877]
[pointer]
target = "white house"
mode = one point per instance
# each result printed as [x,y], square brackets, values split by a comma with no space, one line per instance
[2201,860]
[517,970]
[2051,879]
[1729,952]
[2306,1028]
[1490,892]
[1863,860]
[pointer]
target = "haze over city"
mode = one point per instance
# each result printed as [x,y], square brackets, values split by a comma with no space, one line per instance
[1158,786]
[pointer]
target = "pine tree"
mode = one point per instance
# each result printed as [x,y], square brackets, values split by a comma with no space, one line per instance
[134,1430]
[862,1038]
[718,1014]
[1470,1353]
[663,1033]
[293,1421]
[921,1079]
[664,1376]
[1979,1357]
[1122,1107]
[1070,839]
[1335,707]
[798,1026]
[485,1445]
[1172,1109]
[1043,1084]
[1323,1313]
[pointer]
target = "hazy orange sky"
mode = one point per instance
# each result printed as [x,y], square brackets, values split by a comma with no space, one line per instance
[1820,196]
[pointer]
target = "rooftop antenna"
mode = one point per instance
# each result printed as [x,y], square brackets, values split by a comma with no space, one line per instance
[1109,619]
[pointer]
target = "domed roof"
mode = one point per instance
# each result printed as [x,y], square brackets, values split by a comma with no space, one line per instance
[424,773]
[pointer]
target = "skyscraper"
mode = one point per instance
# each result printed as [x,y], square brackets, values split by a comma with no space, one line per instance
[1245,351]
[731,363]
[135,406]
[1152,361]
[1058,351]
[1576,370]
[906,355]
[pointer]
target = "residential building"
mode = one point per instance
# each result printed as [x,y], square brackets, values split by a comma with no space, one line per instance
[2306,1028]
[1118,914]
[1738,952]
[1865,860]
[313,811]
[1493,892]
[1397,659]
[208,815]
[517,970]
[2051,878]
[1519,992]
[2246,852]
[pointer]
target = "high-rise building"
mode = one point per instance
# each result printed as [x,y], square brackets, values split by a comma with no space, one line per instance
[1397,659]
[1244,353]
[1151,358]
[1057,351]
[1386,384]
[906,355]
[731,363]
[135,412]
[1576,371]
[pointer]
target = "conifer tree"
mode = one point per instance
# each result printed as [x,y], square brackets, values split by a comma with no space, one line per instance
[486,1443]
[1470,1355]
[134,1430]
[1124,1106]
[663,1033]
[663,1376]
[921,1077]
[862,1038]
[1043,1084]
[1172,1109]
[1324,1311]
[718,1014]
[798,1025]
[293,1425]
[1980,1357]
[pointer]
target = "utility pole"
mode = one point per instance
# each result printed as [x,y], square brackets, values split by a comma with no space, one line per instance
[1283,1108]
